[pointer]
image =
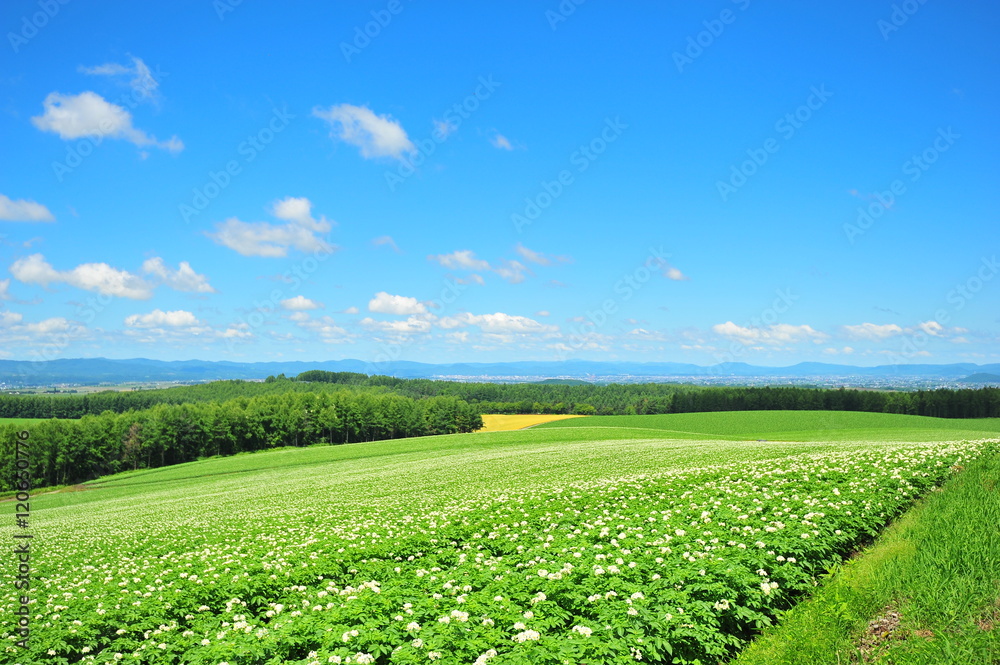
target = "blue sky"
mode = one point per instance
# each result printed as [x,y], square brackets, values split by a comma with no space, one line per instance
[443,181]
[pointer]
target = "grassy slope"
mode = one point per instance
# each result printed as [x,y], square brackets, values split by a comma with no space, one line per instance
[794,426]
[654,446]
[938,569]
[20,421]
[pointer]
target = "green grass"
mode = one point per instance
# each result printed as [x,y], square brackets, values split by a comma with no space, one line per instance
[790,426]
[937,569]
[18,422]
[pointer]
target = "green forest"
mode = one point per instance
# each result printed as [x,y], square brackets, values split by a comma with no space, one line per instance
[68,451]
[597,399]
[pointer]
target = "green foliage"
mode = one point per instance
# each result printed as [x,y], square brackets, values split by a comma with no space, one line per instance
[72,451]
[523,398]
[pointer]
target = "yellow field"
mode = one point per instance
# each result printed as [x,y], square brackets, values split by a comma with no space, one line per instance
[500,422]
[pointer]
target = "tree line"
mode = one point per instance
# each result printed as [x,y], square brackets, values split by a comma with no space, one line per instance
[72,451]
[609,399]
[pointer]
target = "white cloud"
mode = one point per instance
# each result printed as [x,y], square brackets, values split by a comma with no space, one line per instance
[159,319]
[375,135]
[780,333]
[325,328]
[498,323]
[675,274]
[386,240]
[142,80]
[8,319]
[351,310]
[502,142]
[873,331]
[299,317]
[300,304]
[462,259]
[182,279]
[411,325]
[23,210]
[512,271]
[543,312]
[90,115]
[932,328]
[831,351]
[274,240]
[390,304]
[99,277]
[532,256]
[471,278]
[5,290]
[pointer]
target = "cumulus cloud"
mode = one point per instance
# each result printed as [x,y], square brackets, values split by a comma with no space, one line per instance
[98,277]
[325,328]
[463,259]
[90,115]
[184,278]
[300,304]
[873,331]
[410,325]
[160,319]
[401,305]
[5,290]
[23,210]
[299,231]
[8,319]
[374,135]
[498,323]
[780,333]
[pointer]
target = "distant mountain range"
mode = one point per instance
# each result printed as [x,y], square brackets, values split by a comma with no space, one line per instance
[100,370]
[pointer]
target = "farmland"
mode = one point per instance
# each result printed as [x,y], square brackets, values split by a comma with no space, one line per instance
[600,540]
[503,422]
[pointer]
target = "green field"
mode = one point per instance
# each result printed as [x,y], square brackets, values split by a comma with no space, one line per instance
[17,422]
[607,543]
[791,426]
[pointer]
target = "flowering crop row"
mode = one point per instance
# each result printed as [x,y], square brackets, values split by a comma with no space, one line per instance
[679,565]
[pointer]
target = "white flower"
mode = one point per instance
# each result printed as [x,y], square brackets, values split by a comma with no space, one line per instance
[413,625]
[584,630]
[527,635]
